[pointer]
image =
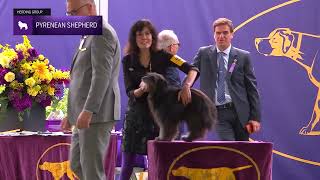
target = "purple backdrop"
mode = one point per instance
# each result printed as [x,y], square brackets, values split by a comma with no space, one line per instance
[288,92]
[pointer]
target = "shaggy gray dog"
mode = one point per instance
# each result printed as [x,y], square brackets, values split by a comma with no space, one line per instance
[200,115]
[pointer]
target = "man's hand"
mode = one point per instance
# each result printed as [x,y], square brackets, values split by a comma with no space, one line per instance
[185,95]
[65,125]
[84,120]
[253,126]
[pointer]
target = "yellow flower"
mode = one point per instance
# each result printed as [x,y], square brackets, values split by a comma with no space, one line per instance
[9,52]
[41,57]
[51,91]
[9,77]
[26,68]
[51,68]
[2,88]
[7,55]
[21,47]
[48,77]
[4,61]
[46,61]
[30,82]
[33,91]
[26,42]
[41,70]
[58,74]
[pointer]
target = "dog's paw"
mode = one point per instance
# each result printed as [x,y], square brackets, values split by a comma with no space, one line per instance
[305,130]
[186,138]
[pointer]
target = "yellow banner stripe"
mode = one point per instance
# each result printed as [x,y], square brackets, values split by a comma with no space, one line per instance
[177,60]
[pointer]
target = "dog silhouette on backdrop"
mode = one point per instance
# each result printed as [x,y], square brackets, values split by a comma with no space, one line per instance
[23,25]
[222,173]
[58,169]
[200,114]
[283,42]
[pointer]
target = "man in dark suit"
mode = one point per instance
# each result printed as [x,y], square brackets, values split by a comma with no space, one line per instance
[94,96]
[227,77]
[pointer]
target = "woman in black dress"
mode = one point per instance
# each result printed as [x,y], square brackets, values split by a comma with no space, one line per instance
[142,57]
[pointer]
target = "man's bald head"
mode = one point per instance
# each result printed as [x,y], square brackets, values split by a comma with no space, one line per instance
[81,7]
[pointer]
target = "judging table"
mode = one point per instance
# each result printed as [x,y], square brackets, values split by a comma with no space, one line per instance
[204,160]
[43,157]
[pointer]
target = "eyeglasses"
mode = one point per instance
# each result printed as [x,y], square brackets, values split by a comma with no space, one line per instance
[178,44]
[74,12]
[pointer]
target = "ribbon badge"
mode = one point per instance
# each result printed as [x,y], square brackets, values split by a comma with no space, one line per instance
[233,65]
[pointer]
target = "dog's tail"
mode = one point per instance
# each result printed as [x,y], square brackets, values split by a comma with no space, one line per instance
[207,108]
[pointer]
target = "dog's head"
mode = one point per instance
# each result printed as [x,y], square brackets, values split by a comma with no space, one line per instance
[280,42]
[155,82]
[45,166]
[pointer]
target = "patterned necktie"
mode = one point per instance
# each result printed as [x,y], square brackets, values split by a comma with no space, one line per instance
[221,79]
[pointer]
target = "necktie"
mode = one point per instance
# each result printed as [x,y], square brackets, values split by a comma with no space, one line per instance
[221,79]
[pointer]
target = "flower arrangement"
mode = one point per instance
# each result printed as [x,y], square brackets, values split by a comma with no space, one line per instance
[26,77]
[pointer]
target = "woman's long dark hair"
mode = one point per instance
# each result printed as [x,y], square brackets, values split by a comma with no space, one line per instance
[132,47]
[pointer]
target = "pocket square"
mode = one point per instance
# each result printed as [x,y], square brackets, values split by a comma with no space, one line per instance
[82,49]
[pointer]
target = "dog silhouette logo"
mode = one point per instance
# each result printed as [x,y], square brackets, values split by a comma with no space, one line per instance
[23,25]
[283,42]
[57,168]
[244,166]
[221,173]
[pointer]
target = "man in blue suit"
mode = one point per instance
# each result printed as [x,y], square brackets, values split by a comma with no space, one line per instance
[227,77]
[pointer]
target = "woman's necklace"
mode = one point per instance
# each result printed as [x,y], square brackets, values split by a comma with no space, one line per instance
[149,66]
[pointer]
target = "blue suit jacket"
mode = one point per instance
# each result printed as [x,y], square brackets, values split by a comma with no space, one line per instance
[241,81]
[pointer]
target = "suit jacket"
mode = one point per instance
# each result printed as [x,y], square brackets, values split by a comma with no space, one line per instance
[241,80]
[94,78]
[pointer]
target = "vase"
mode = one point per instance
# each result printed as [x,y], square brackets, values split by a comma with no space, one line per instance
[34,120]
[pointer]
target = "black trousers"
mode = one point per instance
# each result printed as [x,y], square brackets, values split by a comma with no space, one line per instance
[229,127]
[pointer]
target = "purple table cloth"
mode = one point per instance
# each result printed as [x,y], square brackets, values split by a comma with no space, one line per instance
[43,157]
[208,160]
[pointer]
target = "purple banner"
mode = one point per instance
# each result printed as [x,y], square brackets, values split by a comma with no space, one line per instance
[205,160]
[50,25]
[44,157]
